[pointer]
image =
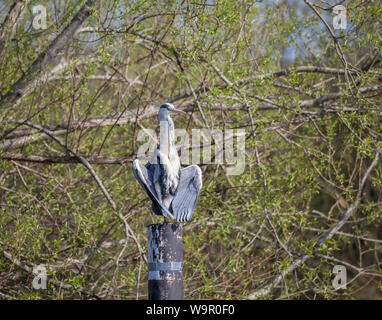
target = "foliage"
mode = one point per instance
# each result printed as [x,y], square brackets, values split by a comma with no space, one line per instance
[311,136]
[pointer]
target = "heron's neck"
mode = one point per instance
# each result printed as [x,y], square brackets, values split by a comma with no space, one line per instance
[167,135]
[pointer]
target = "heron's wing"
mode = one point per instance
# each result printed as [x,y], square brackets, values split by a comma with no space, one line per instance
[187,193]
[144,177]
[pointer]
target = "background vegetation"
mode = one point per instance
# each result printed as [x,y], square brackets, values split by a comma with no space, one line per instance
[74,96]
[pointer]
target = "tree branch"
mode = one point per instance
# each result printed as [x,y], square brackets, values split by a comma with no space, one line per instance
[20,87]
[129,232]
[325,237]
[64,159]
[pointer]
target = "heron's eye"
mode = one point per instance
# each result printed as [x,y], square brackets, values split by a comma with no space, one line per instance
[167,106]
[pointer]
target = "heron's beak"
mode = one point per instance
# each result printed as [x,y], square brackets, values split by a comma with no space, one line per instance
[179,111]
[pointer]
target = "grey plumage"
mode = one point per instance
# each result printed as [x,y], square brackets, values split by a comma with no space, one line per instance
[173,191]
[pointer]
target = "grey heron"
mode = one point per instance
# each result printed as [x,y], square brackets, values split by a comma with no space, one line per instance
[172,190]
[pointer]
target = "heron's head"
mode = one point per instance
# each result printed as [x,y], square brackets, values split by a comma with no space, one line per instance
[166,109]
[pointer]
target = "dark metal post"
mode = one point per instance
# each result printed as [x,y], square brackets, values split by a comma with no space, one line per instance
[165,259]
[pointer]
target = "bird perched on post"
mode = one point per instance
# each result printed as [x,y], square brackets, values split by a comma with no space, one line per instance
[173,191]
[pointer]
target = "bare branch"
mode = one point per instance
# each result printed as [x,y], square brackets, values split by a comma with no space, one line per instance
[325,237]
[20,87]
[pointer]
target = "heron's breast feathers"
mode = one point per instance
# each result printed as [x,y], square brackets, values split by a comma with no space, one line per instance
[170,171]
